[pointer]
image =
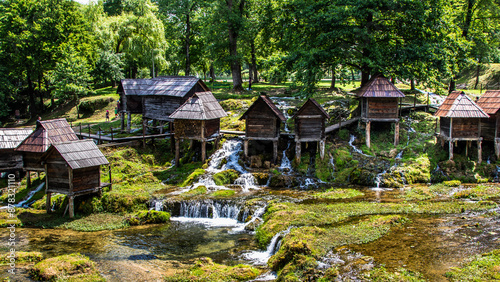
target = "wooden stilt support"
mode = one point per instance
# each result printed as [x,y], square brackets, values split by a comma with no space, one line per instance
[368,127]
[497,149]
[467,148]
[479,152]
[275,151]
[450,150]
[396,134]
[129,121]
[177,151]
[122,117]
[203,150]
[322,148]
[48,205]
[71,204]
[245,148]
[297,151]
[144,122]
[110,178]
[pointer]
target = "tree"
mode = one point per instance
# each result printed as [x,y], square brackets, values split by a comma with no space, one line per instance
[108,68]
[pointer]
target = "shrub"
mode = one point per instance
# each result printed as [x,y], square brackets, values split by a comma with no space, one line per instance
[149,217]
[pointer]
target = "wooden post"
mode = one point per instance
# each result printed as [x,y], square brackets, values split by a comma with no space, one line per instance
[368,126]
[427,109]
[275,151]
[88,126]
[450,150]
[110,178]
[71,206]
[100,132]
[48,205]
[479,152]
[415,101]
[177,151]
[144,133]
[322,148]
[80,128]
[129,121]
[203,150]
[122,117]
[467,148]
[297,151]
[396,134]
[245,147]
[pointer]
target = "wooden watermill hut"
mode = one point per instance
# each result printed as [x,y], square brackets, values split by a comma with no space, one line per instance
[490,127]
[156,98]
[379,102]
[73,168]
[263,121]
[47,132]
[197,119]
[460,120]
[10,138]
[310,126]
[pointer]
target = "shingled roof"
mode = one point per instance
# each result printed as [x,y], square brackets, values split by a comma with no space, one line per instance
[79,154]
[47,132]
[201,106]
[490,102]
[269,103]
[459,105]
[176,86]
[313,102]
[379,87]
[10,138]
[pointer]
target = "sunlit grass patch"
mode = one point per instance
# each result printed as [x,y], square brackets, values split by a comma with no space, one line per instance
[334,193]
[72,267]
[97,222]
[485,267]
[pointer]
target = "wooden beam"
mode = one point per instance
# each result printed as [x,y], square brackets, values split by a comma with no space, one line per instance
[48,205]
[322,148]
[450,150]
[71,205]
[275,151]
[396,134]
[203,150]
[368,126]
[479,152]
[177,151]
[129,121]
[310,116]
[297,151]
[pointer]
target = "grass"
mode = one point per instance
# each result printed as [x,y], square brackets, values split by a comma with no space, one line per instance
[96,222]
[485,267]
[22,257]
[334,194]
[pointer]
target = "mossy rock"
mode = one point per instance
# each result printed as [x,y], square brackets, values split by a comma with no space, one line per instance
[283,181]
[193,177]
[22,257]
[362,176]
[225,177]
[261,178]
[72,267]
[149,217]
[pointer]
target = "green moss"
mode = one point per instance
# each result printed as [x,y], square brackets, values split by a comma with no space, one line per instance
[72,267]
[192,177]
[452,183]
[200,190]
[148,217]
[113,202]
[205,269]
[479,192]
[261,178]
[335,193]
[222,193]
[485,267]
[97,222]
[22,257]
[225,177]
[417,193]
[382,274]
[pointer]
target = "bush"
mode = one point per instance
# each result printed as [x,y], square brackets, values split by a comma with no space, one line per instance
[149,217]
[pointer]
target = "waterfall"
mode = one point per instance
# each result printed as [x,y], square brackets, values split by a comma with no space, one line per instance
[261,257]
[333,166]
[378,179]
[286,165]
[354,147]
[283,106]
[246,181]
[307,183]
[22,204]
[400,155]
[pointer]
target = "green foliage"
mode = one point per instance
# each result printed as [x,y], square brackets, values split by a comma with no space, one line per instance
[205,269]
[225,177]
[192,177]
[200,190]
[483,267]
[96,222]
[72,267]
[452,183]
[335,193]
[22,257]
[148,217]
[343,134]
[479,192]
[222,193]
[90,106]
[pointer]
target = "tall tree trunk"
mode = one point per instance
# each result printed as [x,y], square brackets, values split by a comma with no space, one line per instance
[365,75]
[468,18]
[233,49]
[332,86]
[478,72]
[212,73]
[412,83]
[452,86]
[40,93]
[352,74]
[31,92]
[255,76]
[188,37]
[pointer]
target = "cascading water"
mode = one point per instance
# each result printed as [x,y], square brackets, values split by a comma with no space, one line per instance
[30,195]
[400,155]
[283,106]
[355,148]
[261,257]
[333,166]
[286,165]
[378,179]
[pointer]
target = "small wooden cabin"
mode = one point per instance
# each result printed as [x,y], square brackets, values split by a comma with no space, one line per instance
[490,127]
[73,168]
[262,122]
[47,132]
[379,102]
[310,126]
[197,119]
[10,138]
[460,120]
[156,98]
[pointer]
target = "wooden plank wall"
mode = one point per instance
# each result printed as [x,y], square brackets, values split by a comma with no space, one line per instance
[57,174]
[382,108]
[465,128]
[10,159]
[187,128]
[161,107]
[444,126]
[134,104]
[32,160]
[310,128]
[488,128]
[261,122]
[211,127]
[86,178]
